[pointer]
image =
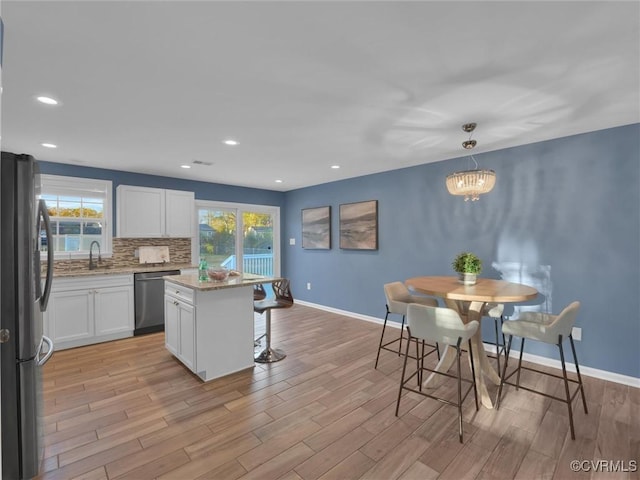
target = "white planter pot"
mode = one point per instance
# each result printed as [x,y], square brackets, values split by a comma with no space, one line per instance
[467,278]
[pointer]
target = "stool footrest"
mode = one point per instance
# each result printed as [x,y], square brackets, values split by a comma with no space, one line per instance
[385,346]
[544,394]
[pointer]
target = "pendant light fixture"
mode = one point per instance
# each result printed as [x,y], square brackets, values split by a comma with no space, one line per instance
[471,183]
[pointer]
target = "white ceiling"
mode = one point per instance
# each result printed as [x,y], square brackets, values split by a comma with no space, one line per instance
[371,86]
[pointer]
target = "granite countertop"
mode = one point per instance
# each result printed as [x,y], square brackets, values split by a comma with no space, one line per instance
[114,270]
[191,281]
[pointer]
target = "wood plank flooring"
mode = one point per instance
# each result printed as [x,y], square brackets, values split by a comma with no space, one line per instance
[128,410]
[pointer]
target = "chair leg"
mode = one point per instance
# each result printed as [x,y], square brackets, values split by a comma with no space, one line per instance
[269,355]
[459,392]
[384,326]
[507,350]
[401,335]
[404,369]
[418,376]
[566,388]
[575,360]
[520,363]
[421,365]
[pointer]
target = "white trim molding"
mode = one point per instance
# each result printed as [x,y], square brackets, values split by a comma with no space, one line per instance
[537,359]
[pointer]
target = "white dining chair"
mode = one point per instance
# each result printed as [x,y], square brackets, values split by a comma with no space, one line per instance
[398,297]
[551,329]
[445,327]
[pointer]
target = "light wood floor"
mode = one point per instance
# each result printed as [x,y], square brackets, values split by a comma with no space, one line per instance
[128,409]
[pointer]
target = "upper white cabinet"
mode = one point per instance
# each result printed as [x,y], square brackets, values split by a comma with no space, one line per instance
[179,211]
[154,212]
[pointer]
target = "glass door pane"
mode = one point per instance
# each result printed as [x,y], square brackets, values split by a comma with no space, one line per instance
[257,241]
[217,231]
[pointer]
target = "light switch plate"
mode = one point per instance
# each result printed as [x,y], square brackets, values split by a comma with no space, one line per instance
[292,241]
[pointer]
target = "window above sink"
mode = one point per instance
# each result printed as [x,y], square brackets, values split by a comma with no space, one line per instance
[80,212]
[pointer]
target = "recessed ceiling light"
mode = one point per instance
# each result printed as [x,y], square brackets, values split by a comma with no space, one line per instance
[47,100]
[185,166]
[278,181]
[335,167]
[49,145]
[230,142]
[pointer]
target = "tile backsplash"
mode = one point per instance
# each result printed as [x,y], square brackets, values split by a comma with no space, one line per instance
[124,253]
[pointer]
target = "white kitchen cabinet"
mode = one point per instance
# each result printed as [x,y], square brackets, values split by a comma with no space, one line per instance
[89,309]
[113,310]
[69,317]
[179,212]
[154,212]
[209,330]
[179,330]
[171,324]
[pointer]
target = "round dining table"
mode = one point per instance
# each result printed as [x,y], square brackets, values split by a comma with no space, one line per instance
[470,301]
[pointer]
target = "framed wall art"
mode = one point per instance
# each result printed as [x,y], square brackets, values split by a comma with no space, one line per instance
[316,228]
[359,225]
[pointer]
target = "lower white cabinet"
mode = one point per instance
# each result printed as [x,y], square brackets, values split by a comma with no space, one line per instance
[209,330]
[89,309]
[179,330]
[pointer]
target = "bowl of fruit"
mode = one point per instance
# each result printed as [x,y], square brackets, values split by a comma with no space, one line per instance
[218,274]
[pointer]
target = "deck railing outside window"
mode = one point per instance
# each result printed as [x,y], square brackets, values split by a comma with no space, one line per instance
[256,263]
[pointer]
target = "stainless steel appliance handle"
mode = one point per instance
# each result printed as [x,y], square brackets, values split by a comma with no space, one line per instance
[149,279]
[47,356]
[43,212]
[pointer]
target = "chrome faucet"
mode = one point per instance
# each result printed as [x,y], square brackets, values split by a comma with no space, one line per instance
[93,266]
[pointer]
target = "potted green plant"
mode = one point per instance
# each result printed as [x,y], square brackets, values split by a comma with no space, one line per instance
[468,266]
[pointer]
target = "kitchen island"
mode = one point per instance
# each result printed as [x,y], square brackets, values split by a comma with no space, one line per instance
[209,325]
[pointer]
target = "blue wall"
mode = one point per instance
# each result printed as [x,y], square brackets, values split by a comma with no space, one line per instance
[202,190]
[564,216]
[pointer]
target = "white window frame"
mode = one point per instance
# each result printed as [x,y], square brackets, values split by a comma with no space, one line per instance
[239,208]
[71,186]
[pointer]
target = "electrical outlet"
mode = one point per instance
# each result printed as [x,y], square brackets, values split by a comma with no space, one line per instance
[136,253]
[308,285]
[292,241]
[576,333]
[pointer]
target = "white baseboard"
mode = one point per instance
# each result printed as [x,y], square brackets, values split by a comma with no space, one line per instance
[544,361]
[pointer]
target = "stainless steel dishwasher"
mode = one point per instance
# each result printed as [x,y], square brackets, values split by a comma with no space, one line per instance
[149,301]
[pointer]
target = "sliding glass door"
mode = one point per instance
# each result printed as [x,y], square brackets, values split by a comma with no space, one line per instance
[239,237]
[257,245]
[217,235]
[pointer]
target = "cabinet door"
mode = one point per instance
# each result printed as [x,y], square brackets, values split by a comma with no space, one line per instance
[114,310]
[187,337]
[70,316]
[140,211]
[171,319]
[179,212]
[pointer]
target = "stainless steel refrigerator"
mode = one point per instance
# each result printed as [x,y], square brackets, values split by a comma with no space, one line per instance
[24,292]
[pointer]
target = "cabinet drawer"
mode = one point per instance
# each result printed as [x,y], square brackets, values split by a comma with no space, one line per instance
[178,291]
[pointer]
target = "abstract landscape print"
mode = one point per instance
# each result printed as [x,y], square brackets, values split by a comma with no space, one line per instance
[316,228]
[359,225]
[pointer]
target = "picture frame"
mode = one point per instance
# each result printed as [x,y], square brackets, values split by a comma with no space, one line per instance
[316,228]
[359,225]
